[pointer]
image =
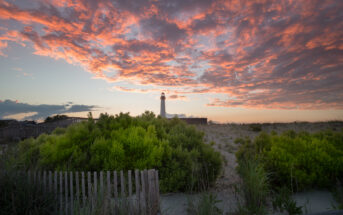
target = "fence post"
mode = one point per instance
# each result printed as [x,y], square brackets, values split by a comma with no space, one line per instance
[137,190]
[147,197]
[83,189]
[77,187]
[71,194]
[44,181]
[108,193]
[61,192]
[101,182]
[130,183]
[55,190]
[50,181]
[39,179]
[144,208]
[150,192]
[157,190]
[130,192]
[115,186]
[95,193]
[34,177]
[66,191]
[29,176]
[122,184]
[89,199]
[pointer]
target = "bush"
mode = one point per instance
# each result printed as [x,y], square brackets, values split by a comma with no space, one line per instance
[283,202]
[55,118]
[254,189]
[255,127]
[298,159]
[123,142]
[206,205]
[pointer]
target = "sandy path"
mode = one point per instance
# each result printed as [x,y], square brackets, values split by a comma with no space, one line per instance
[223,137]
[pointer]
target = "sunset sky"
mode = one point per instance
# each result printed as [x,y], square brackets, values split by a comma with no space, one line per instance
[230,61]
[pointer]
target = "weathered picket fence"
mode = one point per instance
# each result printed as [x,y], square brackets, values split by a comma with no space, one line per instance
[85,189]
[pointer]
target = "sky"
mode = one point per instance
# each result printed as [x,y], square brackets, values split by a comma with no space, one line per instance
[230,61]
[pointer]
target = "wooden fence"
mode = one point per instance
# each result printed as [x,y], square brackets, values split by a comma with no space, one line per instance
[79,191]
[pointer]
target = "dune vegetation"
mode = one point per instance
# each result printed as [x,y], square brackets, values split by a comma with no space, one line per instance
[123,142]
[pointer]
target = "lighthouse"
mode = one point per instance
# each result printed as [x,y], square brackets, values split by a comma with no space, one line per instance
[163,106]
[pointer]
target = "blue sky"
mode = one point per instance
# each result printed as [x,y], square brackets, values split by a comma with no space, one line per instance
[279,62]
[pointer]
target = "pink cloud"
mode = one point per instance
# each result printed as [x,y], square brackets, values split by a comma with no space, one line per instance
[292,49]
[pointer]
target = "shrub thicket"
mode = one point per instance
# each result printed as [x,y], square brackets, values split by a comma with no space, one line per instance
[123,142]
[299,160]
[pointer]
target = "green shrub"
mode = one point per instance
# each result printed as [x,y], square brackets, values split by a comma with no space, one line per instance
[123,142]
[255,127]
[282,201]
[298,159]
[254,189]
[246,152]
[206,205]
[55,118]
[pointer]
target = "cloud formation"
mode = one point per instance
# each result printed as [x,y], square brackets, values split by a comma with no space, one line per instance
[260,54]
[9,107]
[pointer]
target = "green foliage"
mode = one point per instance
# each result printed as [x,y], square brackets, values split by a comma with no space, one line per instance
[240,140]
[301,159]
[246,151]
[254,189]
[338,195]
[255,127]
[123,142]
[206,205]
[283,202]
[55,118]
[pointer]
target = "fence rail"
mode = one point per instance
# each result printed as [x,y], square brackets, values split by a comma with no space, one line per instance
[88,189]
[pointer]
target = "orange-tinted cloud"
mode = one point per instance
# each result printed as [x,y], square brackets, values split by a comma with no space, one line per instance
[177,97]
[261,54]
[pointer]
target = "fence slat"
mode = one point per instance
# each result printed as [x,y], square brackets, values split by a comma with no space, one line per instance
[71,194]
[55,182]
[157,189]
[143,202]
[61,192]
[95,183]
[44,181]
[108,192]
[138,193]
[66,191]
[29,176]
[34,177]
[95,193]
[129,183]
[50,181]
[77,186]
[39,179]
[115,188]
[55,190]
[89,187]
[122,184]
[108,185]
[146,191]
[150,192]
[101,181]
[83,189]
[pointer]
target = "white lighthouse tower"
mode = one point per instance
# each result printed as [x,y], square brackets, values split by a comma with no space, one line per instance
[163,106]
